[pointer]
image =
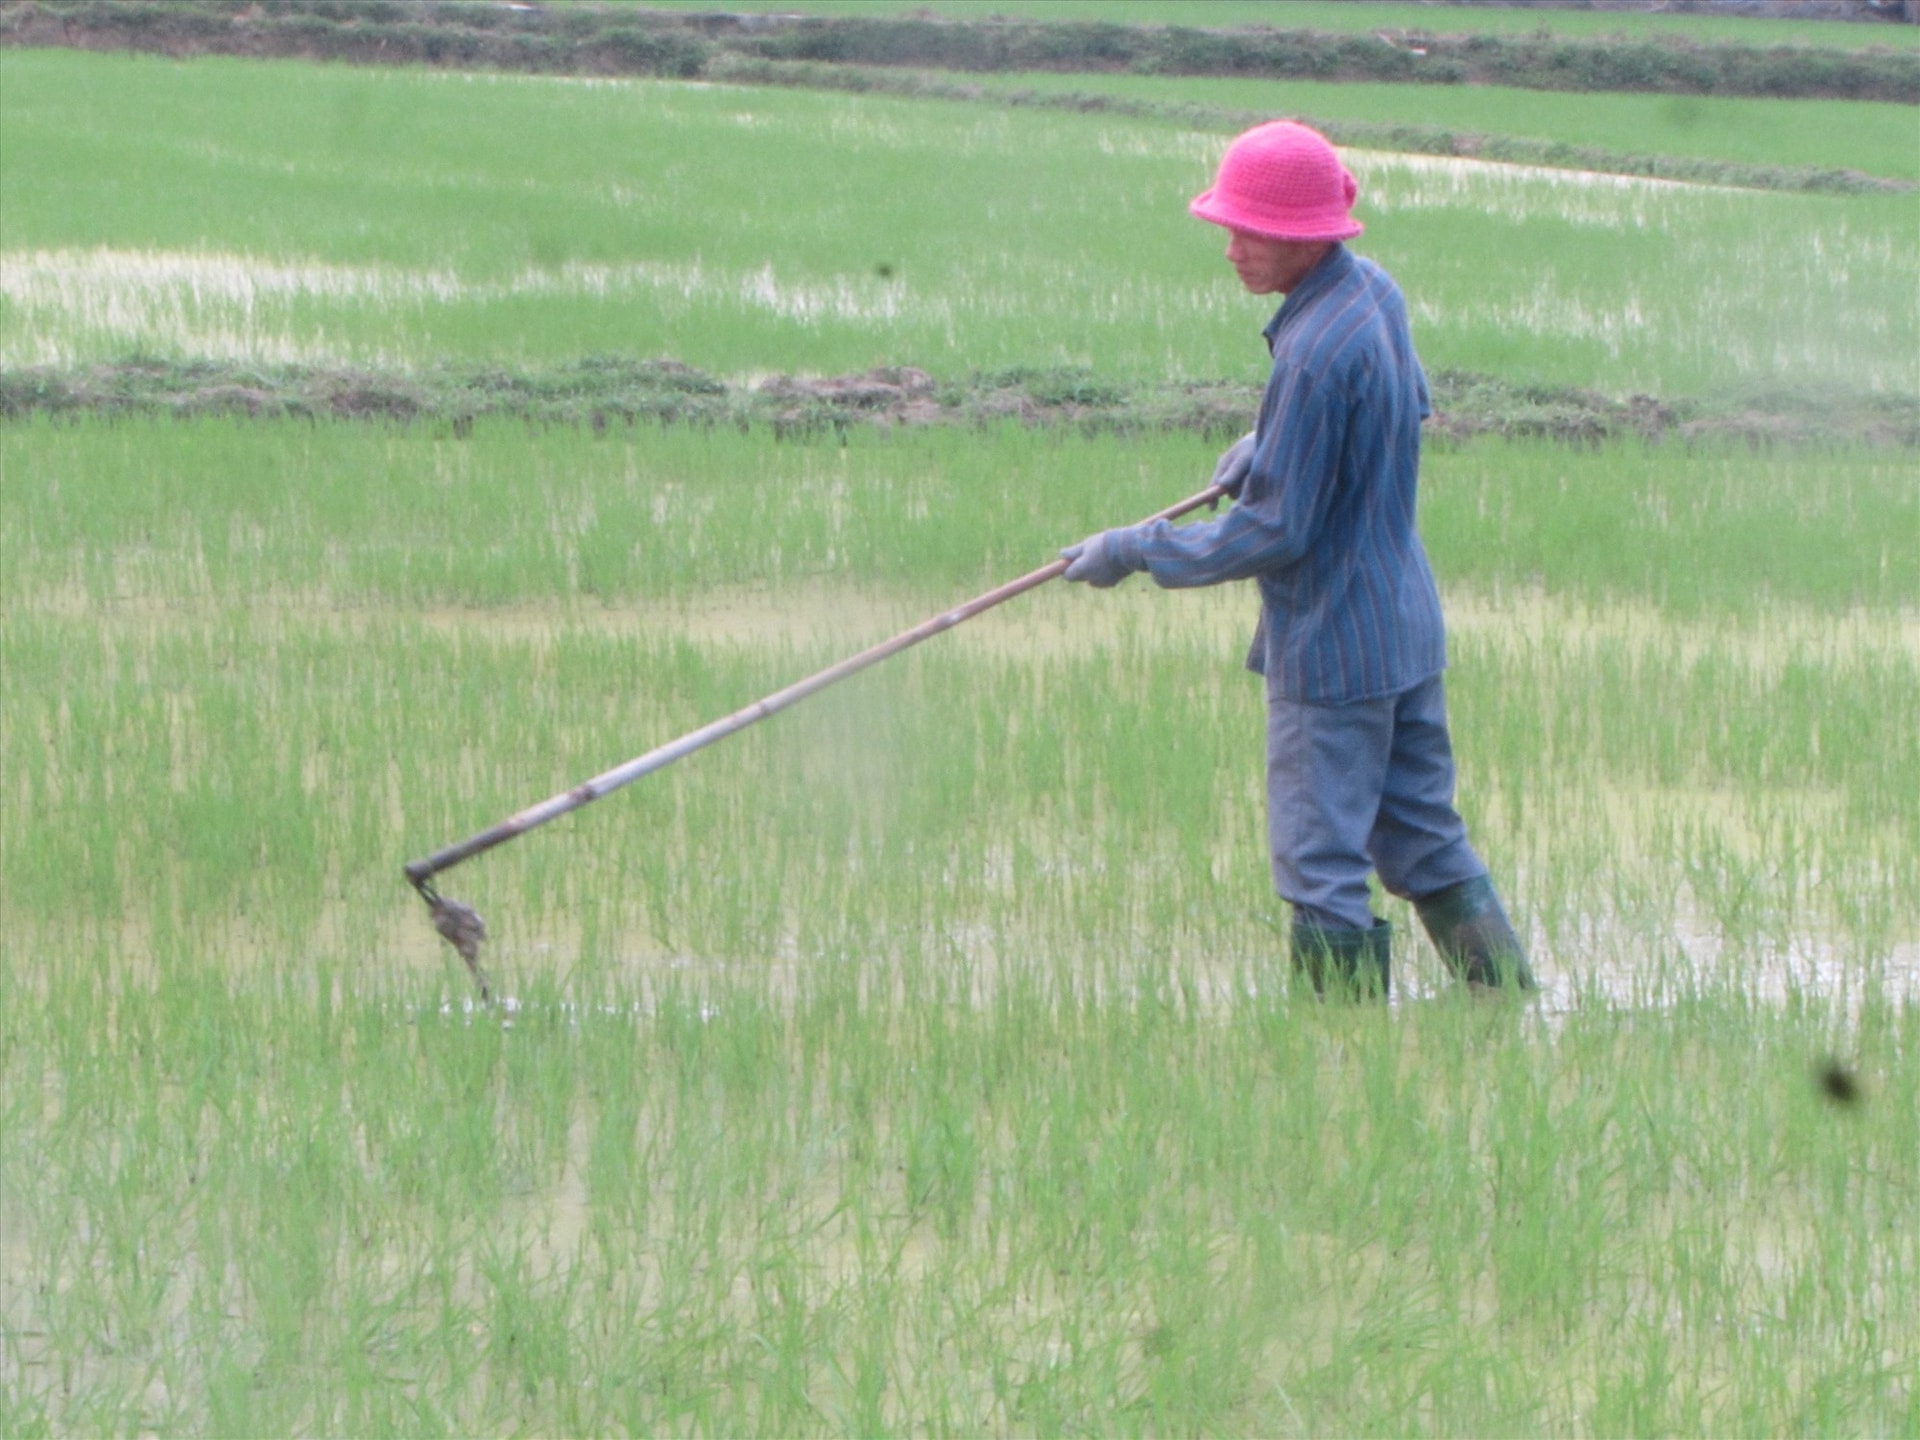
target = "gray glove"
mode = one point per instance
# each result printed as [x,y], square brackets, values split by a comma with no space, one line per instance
[1230,471]
[1103,560]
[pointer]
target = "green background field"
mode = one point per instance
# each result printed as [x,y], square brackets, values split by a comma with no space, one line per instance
[406,217]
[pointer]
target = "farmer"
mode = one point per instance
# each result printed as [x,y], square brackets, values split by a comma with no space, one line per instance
[1359,766]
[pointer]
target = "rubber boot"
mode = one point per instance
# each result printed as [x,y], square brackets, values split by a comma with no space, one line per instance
[1474,937]
[1345,964]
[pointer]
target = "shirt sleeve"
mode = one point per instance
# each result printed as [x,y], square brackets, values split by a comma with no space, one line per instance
[1283,504]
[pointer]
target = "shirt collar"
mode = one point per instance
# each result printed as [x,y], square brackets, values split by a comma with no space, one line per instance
[1334,267]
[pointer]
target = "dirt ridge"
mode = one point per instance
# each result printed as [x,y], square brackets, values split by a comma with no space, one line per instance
[606,391]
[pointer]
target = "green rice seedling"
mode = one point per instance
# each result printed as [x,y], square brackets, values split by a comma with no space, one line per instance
[1129,1328]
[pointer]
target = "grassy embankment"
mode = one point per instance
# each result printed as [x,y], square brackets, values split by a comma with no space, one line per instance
[921,1058]
[1343,16]
[600,40]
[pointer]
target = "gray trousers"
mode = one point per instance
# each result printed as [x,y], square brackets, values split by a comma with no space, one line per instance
[1366,786]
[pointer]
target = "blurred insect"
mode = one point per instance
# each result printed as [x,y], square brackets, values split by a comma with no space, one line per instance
[1839,1084]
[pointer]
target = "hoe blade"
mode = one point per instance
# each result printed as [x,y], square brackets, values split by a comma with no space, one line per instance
[460,926]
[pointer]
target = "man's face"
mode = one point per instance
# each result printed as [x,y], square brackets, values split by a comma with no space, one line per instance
[1273,267]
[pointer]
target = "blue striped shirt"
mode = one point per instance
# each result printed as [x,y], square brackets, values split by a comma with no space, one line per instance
[1325,521]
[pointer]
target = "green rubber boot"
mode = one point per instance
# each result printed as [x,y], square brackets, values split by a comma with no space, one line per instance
[1474,937]
[1345,964]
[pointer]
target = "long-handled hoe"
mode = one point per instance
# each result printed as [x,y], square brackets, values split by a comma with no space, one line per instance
[460,924]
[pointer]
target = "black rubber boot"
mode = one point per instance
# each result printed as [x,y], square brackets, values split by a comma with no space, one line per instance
[1345,964]
[1474,937]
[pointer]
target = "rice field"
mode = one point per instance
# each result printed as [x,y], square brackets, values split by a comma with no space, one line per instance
[923,1059]
[523,220]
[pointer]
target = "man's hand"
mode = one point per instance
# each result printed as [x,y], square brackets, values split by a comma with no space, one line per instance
[1102,560]
[1230,471]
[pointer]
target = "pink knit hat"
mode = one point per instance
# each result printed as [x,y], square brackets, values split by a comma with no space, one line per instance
[1283,181]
